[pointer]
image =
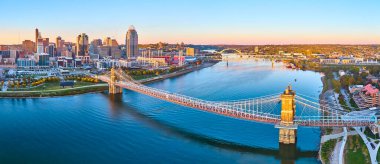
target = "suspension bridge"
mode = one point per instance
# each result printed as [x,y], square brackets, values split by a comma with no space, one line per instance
[278,109]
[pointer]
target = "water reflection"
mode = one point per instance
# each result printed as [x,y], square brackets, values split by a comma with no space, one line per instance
[115,108]
[286,153]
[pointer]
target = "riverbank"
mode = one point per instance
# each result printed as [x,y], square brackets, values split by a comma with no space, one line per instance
[175,74]
[92,88]
[326,149]
[55,92]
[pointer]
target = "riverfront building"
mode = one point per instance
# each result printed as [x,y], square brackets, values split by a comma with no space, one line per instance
[366,97]
[25,62]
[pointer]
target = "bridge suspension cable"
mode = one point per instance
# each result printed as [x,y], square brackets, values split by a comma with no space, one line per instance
[263,109]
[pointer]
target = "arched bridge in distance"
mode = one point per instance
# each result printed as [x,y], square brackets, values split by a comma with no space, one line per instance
[229,50]
[277,109]
[247,55]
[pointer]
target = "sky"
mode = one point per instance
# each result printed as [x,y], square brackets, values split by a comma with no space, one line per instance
[243,22]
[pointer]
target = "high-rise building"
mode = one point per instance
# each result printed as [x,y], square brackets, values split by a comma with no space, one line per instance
[82,45]
[44,41]
[107,41]
[37,36]
[51,50]
[39,39]
[93,49]
[114,43]
[131,43]
[96,42]
[40,48]
[28,46]
[59,42]
[43,59]
[59,45]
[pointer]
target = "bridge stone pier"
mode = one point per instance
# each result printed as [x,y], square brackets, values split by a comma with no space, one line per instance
[113,88]
[288,129]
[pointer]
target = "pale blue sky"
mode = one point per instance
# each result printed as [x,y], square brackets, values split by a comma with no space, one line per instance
[196,21]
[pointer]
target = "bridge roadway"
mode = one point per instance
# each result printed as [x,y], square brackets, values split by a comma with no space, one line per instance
[236,109]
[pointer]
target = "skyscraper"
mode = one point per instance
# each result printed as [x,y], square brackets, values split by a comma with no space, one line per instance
[51,50]
[59,45]
[44,42]
[40,48]
[107,41]
[131,43]
[59,42]
[82,45]
[37,36]
[40,41]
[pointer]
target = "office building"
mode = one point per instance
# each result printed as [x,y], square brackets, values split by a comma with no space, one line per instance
[131,43]
[43,59]
[59,43]
[28,46]
[82,45]
[37,36]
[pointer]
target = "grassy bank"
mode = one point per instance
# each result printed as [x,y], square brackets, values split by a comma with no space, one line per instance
[326,150]
[356,151]
[51,86]
[56,92]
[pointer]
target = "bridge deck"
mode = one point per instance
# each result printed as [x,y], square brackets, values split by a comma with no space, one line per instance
[239,112]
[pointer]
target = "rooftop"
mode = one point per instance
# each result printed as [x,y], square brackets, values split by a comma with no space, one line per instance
[370,90]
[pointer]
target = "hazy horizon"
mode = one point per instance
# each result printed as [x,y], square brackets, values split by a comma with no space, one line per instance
[239,22]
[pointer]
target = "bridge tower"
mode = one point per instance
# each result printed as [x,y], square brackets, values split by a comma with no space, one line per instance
[113,88]
[288,130]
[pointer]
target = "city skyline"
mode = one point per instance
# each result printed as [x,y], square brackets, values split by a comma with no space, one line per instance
[197,22]
[190,81]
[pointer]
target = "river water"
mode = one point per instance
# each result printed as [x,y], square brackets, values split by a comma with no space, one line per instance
[134,128]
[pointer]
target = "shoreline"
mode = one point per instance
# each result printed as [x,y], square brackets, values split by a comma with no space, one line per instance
[322,97]
[175,74]
[55,93]
[94,88]
[327,89]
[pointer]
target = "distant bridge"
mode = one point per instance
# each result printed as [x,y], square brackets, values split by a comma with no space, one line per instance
[237,54]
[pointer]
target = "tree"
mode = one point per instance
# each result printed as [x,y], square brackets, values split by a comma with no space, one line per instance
[336,85]
[355,70]
[359,80]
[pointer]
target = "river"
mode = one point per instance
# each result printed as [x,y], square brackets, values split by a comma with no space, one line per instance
[134,128]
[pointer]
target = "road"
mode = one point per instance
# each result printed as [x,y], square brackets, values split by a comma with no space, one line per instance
[341,151]
[5,86]
[325,138]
